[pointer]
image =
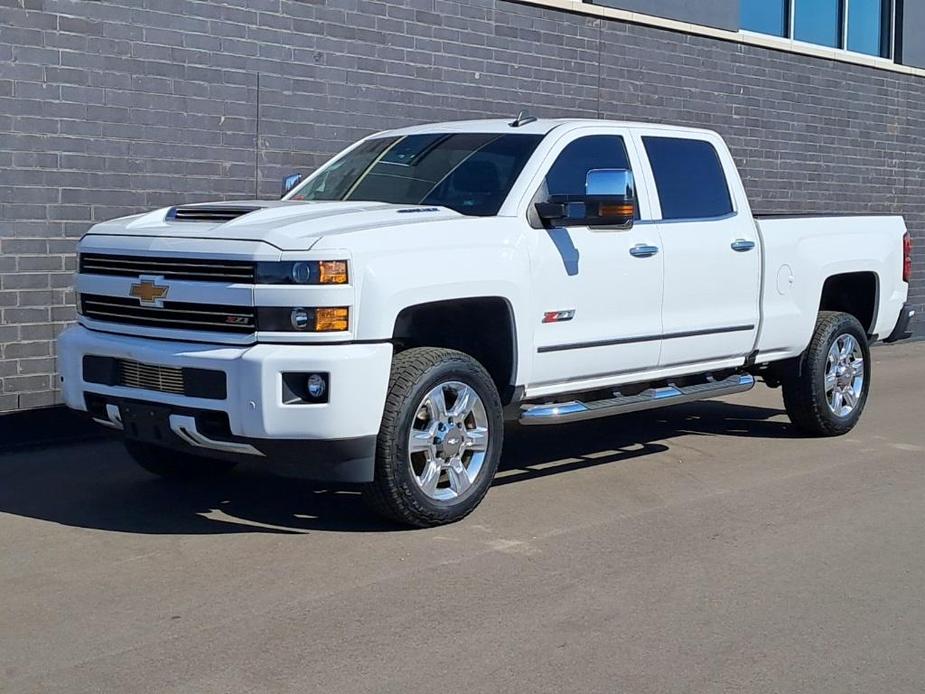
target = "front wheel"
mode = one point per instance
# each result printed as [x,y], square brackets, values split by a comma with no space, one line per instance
[825,390]
[440,439]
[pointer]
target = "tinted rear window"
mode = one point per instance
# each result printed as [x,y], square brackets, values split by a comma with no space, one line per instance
[689,177]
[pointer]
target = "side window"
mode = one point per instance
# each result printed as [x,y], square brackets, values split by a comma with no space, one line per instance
[568,173]
[689,178]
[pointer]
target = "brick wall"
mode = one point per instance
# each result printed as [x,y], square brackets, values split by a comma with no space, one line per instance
[108,108]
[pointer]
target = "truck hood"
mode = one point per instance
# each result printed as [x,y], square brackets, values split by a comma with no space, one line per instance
[287,225]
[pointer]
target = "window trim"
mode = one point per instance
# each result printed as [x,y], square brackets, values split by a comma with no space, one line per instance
[689,220]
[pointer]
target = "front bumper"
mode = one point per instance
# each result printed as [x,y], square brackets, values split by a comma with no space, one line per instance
[254,412]
[903,329]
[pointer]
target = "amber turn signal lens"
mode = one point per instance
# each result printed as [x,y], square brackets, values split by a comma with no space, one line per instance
[617,210]
[331,320]
[332,272]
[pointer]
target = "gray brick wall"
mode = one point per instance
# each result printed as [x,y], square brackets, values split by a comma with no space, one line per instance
[108,108]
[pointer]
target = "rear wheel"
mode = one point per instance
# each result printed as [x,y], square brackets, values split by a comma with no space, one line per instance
[825,390]
[172,464]
[440,440]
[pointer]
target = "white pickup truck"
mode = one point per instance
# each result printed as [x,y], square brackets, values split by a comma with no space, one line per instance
[379,323]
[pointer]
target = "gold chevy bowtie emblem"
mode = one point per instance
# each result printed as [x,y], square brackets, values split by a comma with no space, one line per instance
[149,292]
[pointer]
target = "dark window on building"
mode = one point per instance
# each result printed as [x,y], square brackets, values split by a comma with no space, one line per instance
[568,174]
[863,26]
[689,178]
[766,16]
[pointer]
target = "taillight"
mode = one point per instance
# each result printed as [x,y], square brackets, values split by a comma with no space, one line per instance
[907,257]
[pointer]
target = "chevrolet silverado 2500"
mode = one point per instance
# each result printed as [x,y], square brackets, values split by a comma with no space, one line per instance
[378,323]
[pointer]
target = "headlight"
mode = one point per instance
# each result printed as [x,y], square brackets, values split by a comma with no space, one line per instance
[303,272]
[303,320]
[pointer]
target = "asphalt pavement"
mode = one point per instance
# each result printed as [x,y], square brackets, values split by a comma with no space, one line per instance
[703,548]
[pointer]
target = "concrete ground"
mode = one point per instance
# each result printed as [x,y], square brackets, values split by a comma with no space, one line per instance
[705,548]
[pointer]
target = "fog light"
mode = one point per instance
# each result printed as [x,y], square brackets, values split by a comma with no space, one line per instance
[301,319]
[316,386]
[304,388]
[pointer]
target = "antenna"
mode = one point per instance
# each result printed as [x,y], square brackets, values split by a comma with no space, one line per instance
[523,118]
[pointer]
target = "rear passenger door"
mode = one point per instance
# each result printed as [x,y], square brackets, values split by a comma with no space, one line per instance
[711,253]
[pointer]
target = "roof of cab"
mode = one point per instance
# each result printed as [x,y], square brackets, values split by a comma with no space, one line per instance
[541,126]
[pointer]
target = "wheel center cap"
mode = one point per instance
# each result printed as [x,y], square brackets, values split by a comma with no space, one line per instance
[449,446]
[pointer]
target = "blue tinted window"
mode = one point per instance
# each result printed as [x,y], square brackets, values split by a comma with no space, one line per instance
[818,21]
[765,16]
[867,21]
[689,177]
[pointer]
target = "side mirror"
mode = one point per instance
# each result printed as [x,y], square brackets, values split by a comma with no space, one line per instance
[609,201]
[290,182]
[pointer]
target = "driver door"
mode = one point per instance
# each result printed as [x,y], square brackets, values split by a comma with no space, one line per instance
[597,292]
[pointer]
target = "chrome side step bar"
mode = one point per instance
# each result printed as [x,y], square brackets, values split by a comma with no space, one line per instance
[575,410]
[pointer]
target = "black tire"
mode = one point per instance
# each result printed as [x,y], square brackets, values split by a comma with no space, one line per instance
[176,465]
[394,493]
[804,379]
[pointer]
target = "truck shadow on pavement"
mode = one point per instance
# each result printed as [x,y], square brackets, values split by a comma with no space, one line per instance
[97,486]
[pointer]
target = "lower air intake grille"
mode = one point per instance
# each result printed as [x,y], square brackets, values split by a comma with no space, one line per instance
[195,383]
[166,379]
[174,315]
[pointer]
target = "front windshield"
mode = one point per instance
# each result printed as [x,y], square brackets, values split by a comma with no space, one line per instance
[471,173]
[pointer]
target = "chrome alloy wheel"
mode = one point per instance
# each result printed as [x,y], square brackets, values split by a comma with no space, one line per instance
[844,375]
[448,441]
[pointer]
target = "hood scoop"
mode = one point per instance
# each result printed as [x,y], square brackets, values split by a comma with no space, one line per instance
[208,213]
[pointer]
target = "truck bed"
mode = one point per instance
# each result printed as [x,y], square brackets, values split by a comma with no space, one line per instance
[801,251]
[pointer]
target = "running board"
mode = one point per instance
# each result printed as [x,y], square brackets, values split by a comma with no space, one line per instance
[575,410]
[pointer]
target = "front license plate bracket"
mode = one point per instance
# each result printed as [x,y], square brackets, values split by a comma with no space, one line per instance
[145,422]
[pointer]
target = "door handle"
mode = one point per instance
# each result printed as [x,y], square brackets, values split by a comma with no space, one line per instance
[742,245]
[643,250]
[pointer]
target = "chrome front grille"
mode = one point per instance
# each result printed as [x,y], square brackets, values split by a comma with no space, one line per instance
[201,270]
[166,379]
[174,315]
